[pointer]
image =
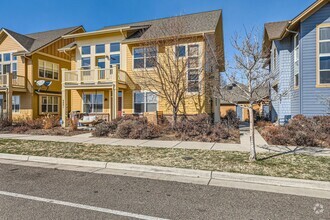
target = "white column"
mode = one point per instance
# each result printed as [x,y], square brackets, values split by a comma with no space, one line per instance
[64,101]
[9,100]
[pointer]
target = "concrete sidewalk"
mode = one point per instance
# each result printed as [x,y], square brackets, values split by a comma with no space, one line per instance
[243,146]
[319,189]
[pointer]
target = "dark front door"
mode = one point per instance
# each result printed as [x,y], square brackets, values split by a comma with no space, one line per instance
[120,103]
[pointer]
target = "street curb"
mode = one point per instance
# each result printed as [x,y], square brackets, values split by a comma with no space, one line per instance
[63,161]
[161,170]
[14,157]
[202,174]
[269,180]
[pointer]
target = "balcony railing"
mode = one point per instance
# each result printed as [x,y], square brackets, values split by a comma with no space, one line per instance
[93,76]
[17,81]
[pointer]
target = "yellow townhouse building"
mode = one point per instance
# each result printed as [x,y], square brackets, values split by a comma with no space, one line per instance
[103,78]
[30,72]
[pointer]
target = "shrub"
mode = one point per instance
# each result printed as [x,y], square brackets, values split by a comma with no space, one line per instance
[20,129]
[101,130]
[73,124]
[51,121]
[231,119]
[4,123]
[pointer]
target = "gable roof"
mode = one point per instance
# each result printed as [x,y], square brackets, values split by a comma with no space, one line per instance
[34,41]
[198,23]
[202,22]
[279,30]
[275,29]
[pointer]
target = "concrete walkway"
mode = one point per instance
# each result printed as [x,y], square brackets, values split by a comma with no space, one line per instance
[244,145]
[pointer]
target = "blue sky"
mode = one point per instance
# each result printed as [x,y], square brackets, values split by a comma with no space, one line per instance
[39,15]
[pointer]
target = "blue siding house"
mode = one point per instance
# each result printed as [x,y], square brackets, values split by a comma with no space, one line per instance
[298,53]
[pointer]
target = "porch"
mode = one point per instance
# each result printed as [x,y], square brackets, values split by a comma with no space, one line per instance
[94,92]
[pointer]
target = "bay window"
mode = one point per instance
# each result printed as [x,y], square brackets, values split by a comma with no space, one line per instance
[324,55]
[145,102]
[144,57]
[92,102]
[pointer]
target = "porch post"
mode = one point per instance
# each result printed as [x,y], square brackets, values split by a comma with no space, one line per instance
[9,100]
[64,102]
[115,93]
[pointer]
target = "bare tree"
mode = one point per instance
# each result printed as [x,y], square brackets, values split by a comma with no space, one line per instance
[175,66]
[248,78]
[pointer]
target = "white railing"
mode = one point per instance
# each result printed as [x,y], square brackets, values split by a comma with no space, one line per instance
[90,76]
[17,80]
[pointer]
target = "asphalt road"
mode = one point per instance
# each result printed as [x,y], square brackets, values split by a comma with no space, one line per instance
[25,194]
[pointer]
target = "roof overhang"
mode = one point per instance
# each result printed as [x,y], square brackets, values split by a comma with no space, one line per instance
[104,31]
[139,40]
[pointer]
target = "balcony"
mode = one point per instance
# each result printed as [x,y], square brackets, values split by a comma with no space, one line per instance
[94,77]
[17,81]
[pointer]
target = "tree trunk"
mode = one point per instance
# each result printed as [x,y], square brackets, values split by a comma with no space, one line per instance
[253,154]
[175,118]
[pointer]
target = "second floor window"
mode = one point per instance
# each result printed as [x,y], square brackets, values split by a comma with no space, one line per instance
[324,55]
[48,70]
[115,54]
[100,48]
[8,64]
[144,57]
[296,60]
[86,50]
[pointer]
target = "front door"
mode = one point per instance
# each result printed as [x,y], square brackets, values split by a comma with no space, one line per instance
[6,68]
[120,104]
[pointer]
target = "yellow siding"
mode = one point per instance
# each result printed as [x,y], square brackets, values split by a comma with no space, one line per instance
[8,44]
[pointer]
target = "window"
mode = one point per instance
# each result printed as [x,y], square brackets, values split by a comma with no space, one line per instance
[114,47]
[115,54]
[86,63]
[49,104]
[92,103]
[296,60]
[15,103]
[193,68]
[324,55]
[86,50]
[8,64]
[14,70]
[180,51]
[48,70]
[274,58]
[145,102]
[100,48]
[6,57]
[144,57]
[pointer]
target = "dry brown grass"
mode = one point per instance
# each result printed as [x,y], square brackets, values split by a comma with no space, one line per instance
[292,166]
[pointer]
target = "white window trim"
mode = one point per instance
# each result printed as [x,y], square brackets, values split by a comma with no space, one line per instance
[2,62]
[198,68]
[296,59]
[58,104]
[144,58]
[115,53]
[45,62]
[145,103]
[99,54]
[19,104]
[318,55]
[93,93]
